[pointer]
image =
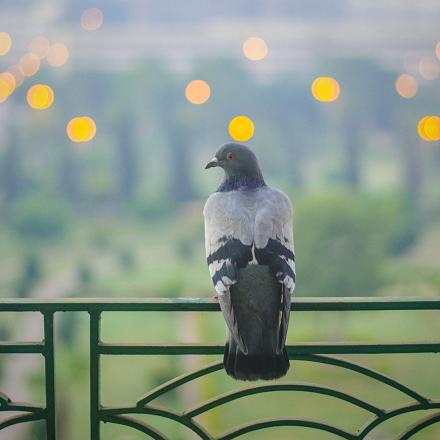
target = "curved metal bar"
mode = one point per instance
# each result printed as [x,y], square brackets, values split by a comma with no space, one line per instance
[4,399]
[177,381]
[21,418]
[358,368]
[161,412]
[270,423]
[257,389]
[422,424]
[135,424]
[394,413]
[23,407]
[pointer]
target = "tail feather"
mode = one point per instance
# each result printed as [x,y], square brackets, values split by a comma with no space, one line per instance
[254,367]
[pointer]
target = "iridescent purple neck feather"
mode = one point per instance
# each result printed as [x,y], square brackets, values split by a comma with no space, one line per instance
[241,183]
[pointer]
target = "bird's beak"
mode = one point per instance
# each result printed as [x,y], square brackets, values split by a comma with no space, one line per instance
[212,163]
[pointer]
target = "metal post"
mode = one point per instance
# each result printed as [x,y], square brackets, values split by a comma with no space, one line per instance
[49,360]
[95,318]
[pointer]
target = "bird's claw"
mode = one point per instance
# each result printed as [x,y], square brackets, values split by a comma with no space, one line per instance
[215,296]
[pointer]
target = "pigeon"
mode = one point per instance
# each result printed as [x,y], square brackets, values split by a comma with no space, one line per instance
[250,256]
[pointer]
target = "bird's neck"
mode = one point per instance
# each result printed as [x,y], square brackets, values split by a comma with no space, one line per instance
[241,183]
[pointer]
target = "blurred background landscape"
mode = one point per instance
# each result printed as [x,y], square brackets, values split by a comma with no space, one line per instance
[121,214]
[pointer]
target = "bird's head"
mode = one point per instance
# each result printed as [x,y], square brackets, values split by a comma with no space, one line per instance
[238,161]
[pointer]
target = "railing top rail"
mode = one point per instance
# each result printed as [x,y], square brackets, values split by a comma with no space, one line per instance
[317,304]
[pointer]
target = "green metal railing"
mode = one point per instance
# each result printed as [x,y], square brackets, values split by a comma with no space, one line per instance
[310,352]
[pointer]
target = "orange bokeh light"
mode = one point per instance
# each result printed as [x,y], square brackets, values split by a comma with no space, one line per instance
[5,43]
[58,55]
[428,68]
[255,48]
[92,19]
[29,64]
[406,86]
[39,46]
[19,78]
[7,85]
[197,92]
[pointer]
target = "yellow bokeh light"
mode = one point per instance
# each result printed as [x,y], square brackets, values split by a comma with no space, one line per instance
[5,43]
[406,86]
[40,97]
[421,128]
[428,68]
[255,48]
[325,89]
[197,92]
[15,71]
[81,129]
[29,64]
[429,128]
[39,46]
[58,55]
[241,128]
[91,19]
[432,128]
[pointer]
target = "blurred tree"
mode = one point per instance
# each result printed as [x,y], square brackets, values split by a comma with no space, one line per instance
[127,160]
[340,250]
[11,170]
[40,215]
[365,87]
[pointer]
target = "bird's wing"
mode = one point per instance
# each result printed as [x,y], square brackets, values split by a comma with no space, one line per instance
[228,243]
[274,247]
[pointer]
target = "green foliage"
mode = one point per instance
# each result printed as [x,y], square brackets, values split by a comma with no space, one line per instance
[340,250]
[40,216]
[151,209]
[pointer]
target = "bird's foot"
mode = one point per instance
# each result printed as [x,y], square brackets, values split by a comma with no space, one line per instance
[215,296]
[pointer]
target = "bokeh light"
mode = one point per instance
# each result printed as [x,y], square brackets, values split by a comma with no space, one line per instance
[432,128]
[7,85]
[81,129]
[40,97]
[29,64]
[5,43]
[241,128]
[197,92]
[19,78]
[91,19]
[429,128]
[255,48]
[325,89]
[58,55]
[428,68]
[406,86]
[39,46]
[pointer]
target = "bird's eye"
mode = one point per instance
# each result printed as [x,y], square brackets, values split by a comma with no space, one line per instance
[231,156]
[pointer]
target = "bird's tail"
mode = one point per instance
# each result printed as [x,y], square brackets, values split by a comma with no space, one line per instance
[254,367]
